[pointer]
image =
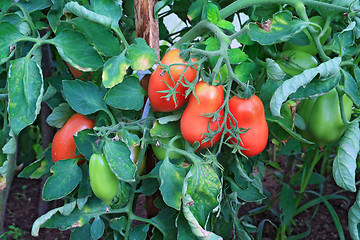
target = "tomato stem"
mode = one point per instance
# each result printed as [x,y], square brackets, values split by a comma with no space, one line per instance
[341,93]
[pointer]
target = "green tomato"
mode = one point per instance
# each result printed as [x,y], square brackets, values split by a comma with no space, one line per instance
[323,118]
[160,152]
[135,157]
[310,48]
[103,181]
[294,62]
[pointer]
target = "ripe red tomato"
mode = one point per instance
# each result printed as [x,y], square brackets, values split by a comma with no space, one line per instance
[193,123]
[160,80]
[63,145]
[76,72]
[249,114]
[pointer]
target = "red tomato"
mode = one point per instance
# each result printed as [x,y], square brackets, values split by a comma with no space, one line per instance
[249,114]
[172,57]
[76,72]
[63,145]
[160,80]
[193,123]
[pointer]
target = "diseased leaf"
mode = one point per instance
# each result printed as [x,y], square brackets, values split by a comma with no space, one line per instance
[280,28]
[344,164]
[291,85]
[115,70]
[141,56]
[9,35]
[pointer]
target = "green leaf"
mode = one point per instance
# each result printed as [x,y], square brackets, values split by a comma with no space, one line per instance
[119,223]
[78,218]
[184,230]
[212,44]
[60,115]
[251,193]
[225,25]
[316,87]
[84,191]
[343,43]
[196,227]
[172,180]
[85,140]
[38,168]
[97,228]
[354,218]
[281,94]
[81,233]
[165,222]
[280,28]
[115,70]
[291,147]
[55,13]
[344,165]
[77,51]
[351,89]
[118,156]
[9,35]
[84,97]
[273,70]
[127,95]
[165,130]
[287,204]
[236,55]
[108,8]
[203,186]
[32,6]
[98,35]
[300,39]
[66,176]
[141,56]
[139,232]
[246,71]
[25,93]
[213,14]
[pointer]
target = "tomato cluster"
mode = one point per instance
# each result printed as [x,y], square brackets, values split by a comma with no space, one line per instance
[203,118]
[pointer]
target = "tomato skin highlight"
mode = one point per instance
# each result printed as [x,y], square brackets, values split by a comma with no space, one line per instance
[323,118]
[193,123]
[249,114]
[160,80]
[63,144]
[103,181]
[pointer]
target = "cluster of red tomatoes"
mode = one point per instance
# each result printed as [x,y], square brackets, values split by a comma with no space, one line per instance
[204,112]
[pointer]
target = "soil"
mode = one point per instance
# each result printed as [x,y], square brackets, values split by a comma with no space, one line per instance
[22,209]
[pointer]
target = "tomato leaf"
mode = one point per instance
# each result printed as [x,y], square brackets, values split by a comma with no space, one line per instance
[165,222]
[118,156]
[316,87]
[252,191]
[344,164]
[98,35]
[290,86]
[203,186]
[236,55]
[273,70]
[165,130]
[54,219]
[115,70]
[81,233]
[84,191]
[84,141]
[184,229]
[25,93]
[354,218]
[97,228]
[9,35]
[77,51]
[84,97]
[141,56]
[38,168]
[172,180]
[246,71]
[119,223]
[213,14]
[351,89]
[108,8]
[225,25]
[343,43]
[127,95]
[55,13]
[60,115]
[287,203]
[66,176]
[280,28]
[196,227]
[32,6]
[139,232]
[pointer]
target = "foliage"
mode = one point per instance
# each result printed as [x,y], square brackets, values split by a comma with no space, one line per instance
[236,46]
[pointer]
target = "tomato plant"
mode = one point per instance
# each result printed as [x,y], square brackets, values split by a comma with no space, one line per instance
[195,123]
[249,116]
[63,145]
[103,181]
[160,152]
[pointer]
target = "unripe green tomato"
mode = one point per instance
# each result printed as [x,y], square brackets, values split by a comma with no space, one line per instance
[323,118]
[160,152]
[295,62]
[311,48]
[103,181]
